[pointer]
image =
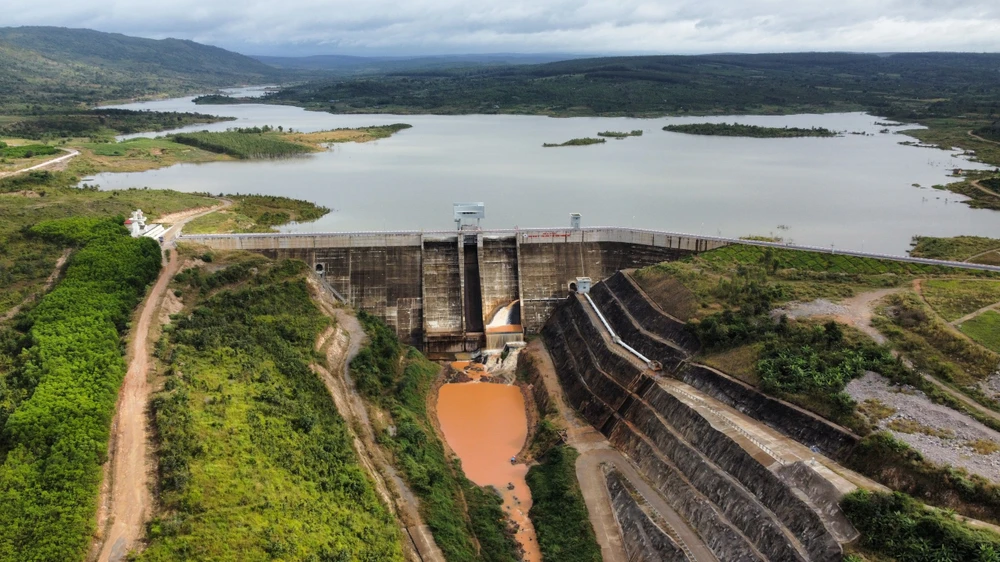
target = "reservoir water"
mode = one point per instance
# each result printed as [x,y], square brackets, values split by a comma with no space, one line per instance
[485,424]
[852,191]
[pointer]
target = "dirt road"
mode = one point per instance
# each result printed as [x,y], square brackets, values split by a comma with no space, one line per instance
[127,501]
[860,310]
[70,154]
[341,345]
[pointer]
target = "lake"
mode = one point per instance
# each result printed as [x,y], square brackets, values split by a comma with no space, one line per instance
[851,191]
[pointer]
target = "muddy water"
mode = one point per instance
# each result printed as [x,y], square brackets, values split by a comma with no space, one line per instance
[485,424]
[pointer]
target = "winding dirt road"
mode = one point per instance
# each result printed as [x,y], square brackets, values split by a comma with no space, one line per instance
[127,502]
[70,154]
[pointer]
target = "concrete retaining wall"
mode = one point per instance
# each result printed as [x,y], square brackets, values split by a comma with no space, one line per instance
[795,422]
[776,519]
[643,539]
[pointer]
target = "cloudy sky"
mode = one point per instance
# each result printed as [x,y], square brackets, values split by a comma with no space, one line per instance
[391,27]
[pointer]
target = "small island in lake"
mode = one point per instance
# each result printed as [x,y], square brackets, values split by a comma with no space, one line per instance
[738,130]
[576,142]
[620,135]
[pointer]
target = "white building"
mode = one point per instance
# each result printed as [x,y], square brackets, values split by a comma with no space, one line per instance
[138,227]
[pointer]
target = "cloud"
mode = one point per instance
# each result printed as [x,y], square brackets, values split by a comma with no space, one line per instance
[581,26]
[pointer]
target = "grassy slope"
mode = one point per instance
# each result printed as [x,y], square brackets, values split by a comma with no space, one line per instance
[959,248]
[256,213]
[985,329]
[255,461]
[558,510]
[25,262]
[954,298]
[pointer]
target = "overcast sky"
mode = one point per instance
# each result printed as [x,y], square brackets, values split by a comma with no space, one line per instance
[379,27]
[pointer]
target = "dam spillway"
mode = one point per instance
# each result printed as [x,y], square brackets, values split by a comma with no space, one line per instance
[439,289]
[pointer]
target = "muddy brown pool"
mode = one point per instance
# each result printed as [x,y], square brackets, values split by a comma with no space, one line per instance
[485,424]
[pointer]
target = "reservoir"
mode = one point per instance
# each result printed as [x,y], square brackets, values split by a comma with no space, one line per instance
[485,424]
[855,191]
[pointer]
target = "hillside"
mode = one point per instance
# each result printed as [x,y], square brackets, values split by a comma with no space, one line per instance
[54,66]
[905,86]
[347,64]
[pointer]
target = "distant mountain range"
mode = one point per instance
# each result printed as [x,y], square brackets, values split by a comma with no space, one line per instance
[53,65]
[362,65]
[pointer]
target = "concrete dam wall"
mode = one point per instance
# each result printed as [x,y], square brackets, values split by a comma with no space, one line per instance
[439,290]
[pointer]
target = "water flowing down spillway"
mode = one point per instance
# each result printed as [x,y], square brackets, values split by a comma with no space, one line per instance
[486,425]
[505,327]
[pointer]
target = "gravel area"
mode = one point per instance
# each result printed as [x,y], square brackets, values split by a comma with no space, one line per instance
[912,407]
[991,386]
[818,307]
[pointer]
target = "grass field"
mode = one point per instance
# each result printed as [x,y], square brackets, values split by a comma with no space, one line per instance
[959,248]
[256,213]
[137,155]
[954,298]
[558,512]
[985,329]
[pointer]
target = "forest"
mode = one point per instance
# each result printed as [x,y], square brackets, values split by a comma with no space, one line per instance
[48,124]
[255,461]
[909,86]
[754,131]
[58,402]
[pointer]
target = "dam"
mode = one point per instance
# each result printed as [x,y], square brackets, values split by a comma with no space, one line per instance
[441,290]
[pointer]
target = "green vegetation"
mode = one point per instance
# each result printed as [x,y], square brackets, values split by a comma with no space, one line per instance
[398,380]
[58,402]
[576,142]
[218,99]
[755,131]
[897,526]
[959,248]
[990,132]
[255,461]
[244,143]
[933,346]
[256,213]
[27,151]
[802,362]
[558,510]
[620,135]
[954,298]
[985,329]
[98,124]
[135,155]
[727,296]
[47,66]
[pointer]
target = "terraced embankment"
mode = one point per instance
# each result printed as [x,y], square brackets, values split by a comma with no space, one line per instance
[722,457]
